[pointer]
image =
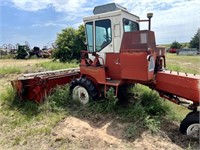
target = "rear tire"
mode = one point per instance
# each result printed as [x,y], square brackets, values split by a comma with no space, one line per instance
[83,90]
[124,94]
[190,125]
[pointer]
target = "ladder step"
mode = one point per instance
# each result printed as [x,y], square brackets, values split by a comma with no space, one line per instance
[113,82]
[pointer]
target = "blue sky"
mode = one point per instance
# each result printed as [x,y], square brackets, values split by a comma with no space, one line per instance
[39,21]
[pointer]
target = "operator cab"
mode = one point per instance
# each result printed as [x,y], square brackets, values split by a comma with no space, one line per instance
[114,36]
[104,30]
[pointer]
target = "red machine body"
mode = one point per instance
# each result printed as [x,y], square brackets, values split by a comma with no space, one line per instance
[37,86]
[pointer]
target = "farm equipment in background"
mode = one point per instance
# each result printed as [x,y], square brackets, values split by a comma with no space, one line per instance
[41,53]
[172,50]
[118,53]
[24,52]
[187,51]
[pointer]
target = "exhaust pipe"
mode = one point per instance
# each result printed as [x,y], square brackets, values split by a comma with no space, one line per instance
[149,15]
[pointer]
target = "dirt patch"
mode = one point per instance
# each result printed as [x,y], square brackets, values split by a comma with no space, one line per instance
[111,134]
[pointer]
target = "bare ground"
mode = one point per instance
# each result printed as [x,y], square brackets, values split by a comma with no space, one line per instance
[105,132]
[109,133]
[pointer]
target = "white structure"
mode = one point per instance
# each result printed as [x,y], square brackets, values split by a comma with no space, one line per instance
[107,26]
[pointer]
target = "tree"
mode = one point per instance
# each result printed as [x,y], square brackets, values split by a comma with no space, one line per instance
[194,43]
[69,43]
[176,45]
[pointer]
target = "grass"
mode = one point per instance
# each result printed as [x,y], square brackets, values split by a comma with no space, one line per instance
[189,64]
[144,112]
[36,119]
[54,65]
[177,112]
[47,65]
[9,70]
[183,45]
[8,56]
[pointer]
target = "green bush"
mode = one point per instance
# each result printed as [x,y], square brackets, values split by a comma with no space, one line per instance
[58,100]
[69,43]
[111,100]
[145,111]
[176,45]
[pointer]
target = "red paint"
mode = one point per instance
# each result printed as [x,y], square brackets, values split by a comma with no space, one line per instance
[179,84]
[36,88]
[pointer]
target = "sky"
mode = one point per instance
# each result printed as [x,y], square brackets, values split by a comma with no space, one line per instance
[39,21]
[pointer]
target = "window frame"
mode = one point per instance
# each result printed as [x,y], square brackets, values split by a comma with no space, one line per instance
[93,44]
[110,34]
[123,20]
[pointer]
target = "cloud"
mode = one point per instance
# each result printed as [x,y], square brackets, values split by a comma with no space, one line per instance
[172,20]
[30,5]
[48,24]
[72,10]
[73,6]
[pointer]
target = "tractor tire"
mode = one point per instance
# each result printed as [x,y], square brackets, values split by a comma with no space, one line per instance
[190,125]
[124,93]
[83,90]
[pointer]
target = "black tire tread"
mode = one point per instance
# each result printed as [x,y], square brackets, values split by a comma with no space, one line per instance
[192,117]
[87,84]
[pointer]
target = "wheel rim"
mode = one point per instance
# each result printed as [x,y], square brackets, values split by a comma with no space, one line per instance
[80,93]
[193,130]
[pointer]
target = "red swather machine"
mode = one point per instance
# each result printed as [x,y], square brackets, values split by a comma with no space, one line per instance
[118,53]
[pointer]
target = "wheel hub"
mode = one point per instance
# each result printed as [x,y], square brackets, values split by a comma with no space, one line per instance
[80,93]
[193,130]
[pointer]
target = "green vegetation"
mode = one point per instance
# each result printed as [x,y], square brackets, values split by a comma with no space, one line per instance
[189,64]
[175,45]
[9,70]
[18,115]
[181,69]
[6,56]
[194,43]
[144,112]
[69,43]
[54,65]
[169,45]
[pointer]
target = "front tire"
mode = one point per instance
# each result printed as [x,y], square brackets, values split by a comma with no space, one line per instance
[83,90]
[190,125]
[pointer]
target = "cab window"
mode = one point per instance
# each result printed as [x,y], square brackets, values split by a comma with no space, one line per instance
[89,35]
[130,26]
[103,35]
